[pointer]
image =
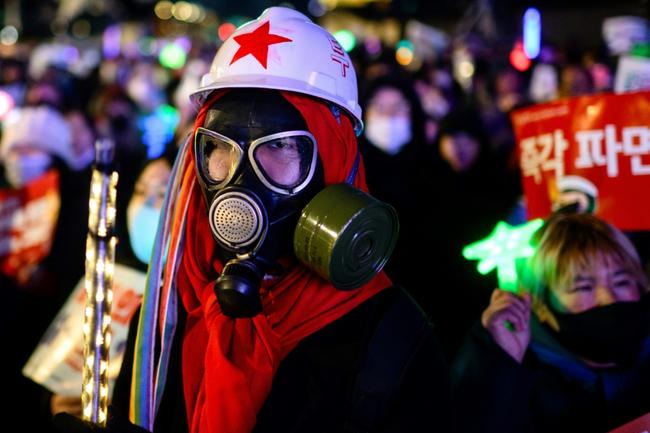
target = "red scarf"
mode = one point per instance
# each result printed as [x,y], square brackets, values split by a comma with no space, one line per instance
[229,364]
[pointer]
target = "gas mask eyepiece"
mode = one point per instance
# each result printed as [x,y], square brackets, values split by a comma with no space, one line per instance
[247,184]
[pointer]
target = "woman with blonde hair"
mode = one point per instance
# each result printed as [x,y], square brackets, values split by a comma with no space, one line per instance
[581,361]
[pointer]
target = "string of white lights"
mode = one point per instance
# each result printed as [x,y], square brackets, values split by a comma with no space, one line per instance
[100,260]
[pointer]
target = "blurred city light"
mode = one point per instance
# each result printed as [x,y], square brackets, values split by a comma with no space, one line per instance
[172,56]
[59,26]
[333,4]
[197,14]
[316,8]
[147,46]
[328,5]
[69,54]
[8,35]
[111,41]
[163,10]
[158,128]
[532,32]
[182,11]
[347,39]
[463,66]
[518,58]
[81,29]
[404,56]
[185,43]
[466,68]
[6,103]
[226,29]
[373,46]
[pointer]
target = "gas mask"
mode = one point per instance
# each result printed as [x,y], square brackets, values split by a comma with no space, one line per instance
[258,167]
[263,182]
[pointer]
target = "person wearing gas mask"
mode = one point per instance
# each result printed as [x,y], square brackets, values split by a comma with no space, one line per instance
[266,309]
[581,360]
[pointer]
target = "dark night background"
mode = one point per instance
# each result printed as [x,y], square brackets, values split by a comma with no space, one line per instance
[564,21]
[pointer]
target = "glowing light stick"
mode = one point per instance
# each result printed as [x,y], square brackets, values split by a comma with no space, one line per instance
[100,259]
[501,249]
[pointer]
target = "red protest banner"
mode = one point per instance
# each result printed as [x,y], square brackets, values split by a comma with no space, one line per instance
[639,425]
[57,362]
[28,218]
[603,139]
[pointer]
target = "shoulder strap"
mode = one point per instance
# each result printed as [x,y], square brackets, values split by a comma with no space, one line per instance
[395,342]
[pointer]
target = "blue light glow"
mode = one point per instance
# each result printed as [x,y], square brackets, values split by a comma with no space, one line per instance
[532,32]
[158,129]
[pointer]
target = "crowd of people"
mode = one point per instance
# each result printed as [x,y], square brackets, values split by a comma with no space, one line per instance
[279,346]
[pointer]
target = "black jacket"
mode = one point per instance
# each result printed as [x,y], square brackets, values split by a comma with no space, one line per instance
[551,391]
[314,388]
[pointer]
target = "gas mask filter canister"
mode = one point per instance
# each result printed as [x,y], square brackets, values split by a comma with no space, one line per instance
[345,235]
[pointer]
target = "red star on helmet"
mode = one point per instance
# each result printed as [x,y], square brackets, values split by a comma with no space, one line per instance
[257,44]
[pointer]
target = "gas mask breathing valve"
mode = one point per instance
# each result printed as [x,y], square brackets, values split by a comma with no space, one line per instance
[237,288]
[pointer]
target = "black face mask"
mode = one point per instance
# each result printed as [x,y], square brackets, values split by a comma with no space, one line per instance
[610,334]
[253,207]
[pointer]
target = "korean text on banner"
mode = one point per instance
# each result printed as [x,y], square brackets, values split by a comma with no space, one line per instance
[603,138]
[28,219]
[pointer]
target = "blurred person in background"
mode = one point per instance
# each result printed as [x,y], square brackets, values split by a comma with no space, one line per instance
[503,90]
[469,191]
[116,117]
[509,89]
[188,83]
[581,360]
[143,210]
[392,146]
[575,80]
[46,175]
[435,107]
[438,94]
[13,78]
[144,86]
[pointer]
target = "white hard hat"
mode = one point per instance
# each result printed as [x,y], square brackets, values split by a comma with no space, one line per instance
[284,50]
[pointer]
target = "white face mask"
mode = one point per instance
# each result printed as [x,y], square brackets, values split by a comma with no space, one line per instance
[21,169]
[389,134]
[142,222]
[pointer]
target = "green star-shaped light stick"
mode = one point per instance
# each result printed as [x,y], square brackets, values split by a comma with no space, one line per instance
[501,249]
